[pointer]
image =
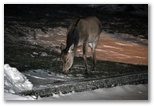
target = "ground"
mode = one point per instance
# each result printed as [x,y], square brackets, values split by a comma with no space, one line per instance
[33,34]
[127,92]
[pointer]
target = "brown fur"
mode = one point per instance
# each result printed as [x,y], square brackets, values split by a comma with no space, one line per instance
[83,31]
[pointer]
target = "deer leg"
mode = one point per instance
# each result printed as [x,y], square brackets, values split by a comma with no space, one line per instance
[94,57]
[75,48]
[85,46]
[94,44]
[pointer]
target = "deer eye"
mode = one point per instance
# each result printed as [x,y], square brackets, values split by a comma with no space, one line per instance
[65,60]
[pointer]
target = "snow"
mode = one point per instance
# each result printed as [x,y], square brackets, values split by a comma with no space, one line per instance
[14,81]
[112,47]
[44,54]
[43,74]
[124,44]
[10,96]
[126,92]
[35,53]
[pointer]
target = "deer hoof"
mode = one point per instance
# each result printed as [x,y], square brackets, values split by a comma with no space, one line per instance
[86,72]
[93,68]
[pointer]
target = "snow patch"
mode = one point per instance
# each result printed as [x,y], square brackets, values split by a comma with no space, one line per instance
[101,50]
[107,46]
[35,53]
[44,54]
[139,57]
[14,81]
[126,92]
[122,44]
[9,96]
[127,56]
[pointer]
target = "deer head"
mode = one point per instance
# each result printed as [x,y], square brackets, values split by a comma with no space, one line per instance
[67,57]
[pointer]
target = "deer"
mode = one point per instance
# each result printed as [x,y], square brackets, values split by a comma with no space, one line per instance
[84,31]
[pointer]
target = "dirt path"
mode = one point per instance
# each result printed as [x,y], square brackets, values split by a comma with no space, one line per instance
[109,48]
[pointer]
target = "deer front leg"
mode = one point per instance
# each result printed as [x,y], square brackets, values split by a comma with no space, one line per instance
[85,46]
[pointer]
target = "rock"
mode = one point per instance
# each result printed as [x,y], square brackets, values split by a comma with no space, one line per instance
[44,54]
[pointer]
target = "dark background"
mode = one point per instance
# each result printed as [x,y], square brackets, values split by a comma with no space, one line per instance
[122,18]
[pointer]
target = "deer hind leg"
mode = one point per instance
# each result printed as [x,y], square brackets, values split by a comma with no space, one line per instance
[94,56]
[85,47]
[94,44]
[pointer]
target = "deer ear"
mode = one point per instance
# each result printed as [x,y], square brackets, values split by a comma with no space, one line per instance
[71,48]
[62,46]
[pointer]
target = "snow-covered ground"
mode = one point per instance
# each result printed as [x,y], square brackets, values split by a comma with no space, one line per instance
[126,92]
[15,82]
[10,96]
